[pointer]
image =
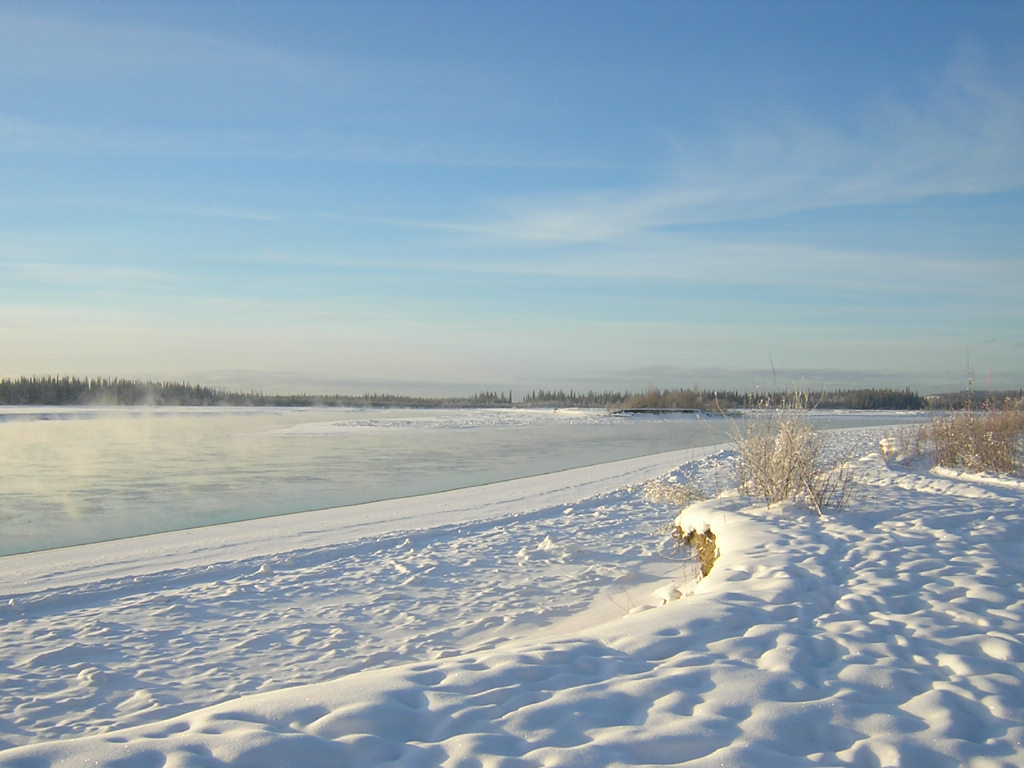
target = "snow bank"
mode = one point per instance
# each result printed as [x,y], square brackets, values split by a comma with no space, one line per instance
[544,631]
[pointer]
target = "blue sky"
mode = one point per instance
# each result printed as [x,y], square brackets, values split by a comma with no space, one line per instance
[451,196]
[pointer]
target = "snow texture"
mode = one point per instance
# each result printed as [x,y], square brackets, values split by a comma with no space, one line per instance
[542,622]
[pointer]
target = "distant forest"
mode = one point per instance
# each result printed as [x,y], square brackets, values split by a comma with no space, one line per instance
[69,390]
[859,399]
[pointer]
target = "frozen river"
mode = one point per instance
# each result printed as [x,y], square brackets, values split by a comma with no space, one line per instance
[80,475]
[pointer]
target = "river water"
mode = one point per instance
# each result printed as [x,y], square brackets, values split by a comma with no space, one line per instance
[79,475]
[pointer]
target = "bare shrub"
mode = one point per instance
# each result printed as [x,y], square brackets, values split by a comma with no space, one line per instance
[989,440]
[782,458]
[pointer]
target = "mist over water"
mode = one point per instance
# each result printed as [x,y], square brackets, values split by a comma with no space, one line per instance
[79,475]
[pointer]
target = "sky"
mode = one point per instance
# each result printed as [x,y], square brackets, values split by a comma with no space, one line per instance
[448,197]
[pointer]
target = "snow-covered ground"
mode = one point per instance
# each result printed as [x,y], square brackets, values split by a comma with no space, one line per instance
[538,622]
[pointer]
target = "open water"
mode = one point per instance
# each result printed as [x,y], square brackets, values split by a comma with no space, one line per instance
[79,475]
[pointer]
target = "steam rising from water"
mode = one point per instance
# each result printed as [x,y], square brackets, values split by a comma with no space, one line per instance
[73,476]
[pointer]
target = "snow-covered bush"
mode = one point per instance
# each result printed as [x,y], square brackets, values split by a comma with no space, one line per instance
[782,458]
[989,440]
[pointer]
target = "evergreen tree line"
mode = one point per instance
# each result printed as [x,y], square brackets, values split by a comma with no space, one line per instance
[715,401]
[865,399]
[70,390]
[561,398]
[870,399]
[704,400]
[975,399]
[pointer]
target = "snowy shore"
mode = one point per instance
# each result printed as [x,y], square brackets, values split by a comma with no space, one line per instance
[538,622]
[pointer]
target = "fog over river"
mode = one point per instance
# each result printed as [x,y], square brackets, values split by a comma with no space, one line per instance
[79,475]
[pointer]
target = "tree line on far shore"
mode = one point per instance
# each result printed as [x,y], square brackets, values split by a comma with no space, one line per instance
[72,390]
[713,401]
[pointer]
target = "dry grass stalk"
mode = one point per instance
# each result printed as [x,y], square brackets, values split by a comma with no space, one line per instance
[782,458]
[704,542]
[989,440]
[676,494]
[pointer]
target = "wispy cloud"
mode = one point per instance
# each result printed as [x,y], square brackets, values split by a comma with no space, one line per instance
[686,259]
[81,275]
[209,211]
[411,223]
[106,80]
[17,133]
[966,137]
[158,207]
[41,44]
[24,136]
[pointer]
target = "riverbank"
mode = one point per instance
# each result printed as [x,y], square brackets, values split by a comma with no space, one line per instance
[546,621]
